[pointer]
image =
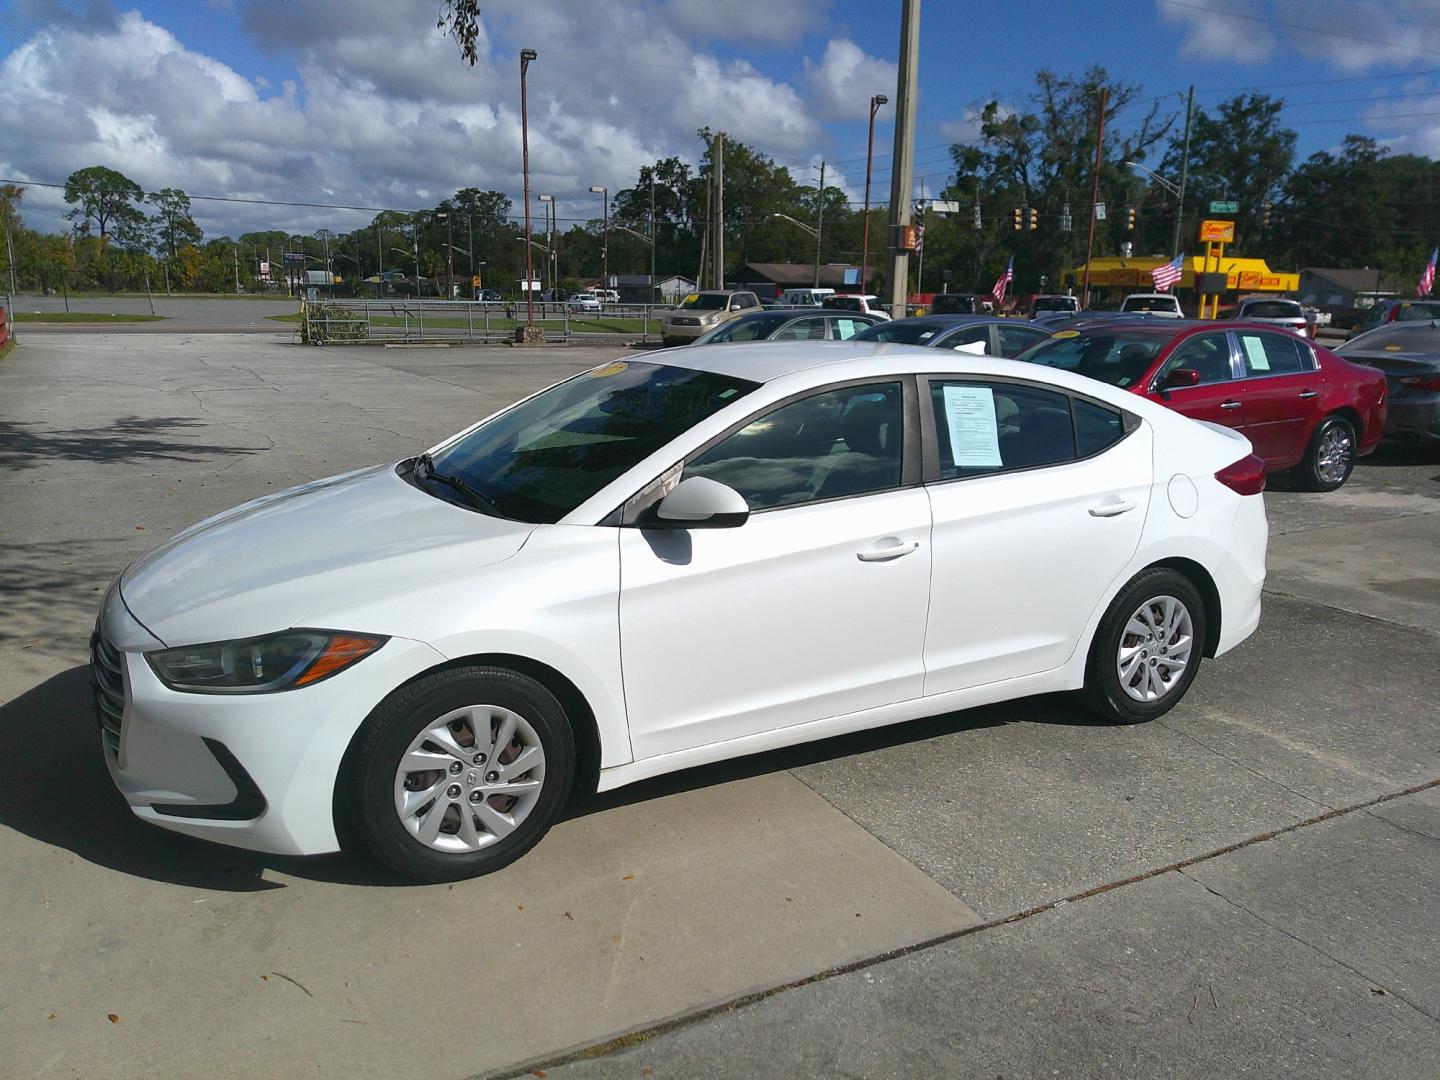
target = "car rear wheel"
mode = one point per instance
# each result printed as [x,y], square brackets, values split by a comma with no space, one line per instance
[460,773]
[1330,457]
[1146,649]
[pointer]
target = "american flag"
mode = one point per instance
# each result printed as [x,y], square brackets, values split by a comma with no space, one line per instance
[1002,285]
[1169,274]
[1427,279]
[920,237]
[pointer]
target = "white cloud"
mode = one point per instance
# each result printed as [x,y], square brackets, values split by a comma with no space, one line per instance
[1211,35]
[845,79]
[1360,35]
[382,112]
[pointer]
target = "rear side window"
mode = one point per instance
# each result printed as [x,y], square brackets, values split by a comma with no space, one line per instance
[845,329]
[983,428]
[1096,427]
[1016,339]
[802,330]
[1272,354]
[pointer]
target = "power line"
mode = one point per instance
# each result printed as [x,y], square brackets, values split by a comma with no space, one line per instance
[1344,35]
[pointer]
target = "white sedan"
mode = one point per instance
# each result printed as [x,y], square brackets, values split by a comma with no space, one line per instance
[661,563]
[583,302]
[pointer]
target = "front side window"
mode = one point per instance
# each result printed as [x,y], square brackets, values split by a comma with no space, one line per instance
[1016,339]
[1272,354]
[983,428]
[751,328]
[802,330]
[967,335]
[826,446]
[902,332]
[1208,354]
[540,460]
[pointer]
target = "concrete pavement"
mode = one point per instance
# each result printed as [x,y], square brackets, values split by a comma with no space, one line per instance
[691,902]
[213,315]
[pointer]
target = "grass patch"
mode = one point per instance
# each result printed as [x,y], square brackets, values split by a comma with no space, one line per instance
[82,317]
[6,349]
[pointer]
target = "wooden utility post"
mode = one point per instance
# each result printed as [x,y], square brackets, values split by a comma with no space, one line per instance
[717,248]
[902,167]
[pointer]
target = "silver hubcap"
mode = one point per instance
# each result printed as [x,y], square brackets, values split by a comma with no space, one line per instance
[1155,648]
[470,778]
[1333,457]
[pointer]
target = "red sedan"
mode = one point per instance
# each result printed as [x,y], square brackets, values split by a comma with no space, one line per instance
[1301,406]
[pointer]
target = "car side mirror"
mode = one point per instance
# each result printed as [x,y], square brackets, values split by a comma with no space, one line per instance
[700,503]
[1180,376]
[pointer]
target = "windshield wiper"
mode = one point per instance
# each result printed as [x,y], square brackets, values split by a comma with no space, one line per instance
[470,495]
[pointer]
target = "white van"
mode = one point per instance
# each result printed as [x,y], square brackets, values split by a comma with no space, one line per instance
[805,297]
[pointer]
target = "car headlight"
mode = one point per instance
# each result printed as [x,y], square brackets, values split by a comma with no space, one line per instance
[284,661]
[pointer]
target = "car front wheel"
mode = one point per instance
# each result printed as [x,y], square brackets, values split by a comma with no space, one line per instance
[460,773]
[1146,649]
[1330,457]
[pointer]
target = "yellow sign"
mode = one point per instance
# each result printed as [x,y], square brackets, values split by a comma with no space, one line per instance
[608,369]
[475,281]
[1217,232]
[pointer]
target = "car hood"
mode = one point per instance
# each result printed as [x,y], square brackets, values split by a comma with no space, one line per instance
[272,563]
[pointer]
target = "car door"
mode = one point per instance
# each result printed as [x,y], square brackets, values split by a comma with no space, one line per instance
[1038,500]
[815,607]
[1218,397]
[1282,394]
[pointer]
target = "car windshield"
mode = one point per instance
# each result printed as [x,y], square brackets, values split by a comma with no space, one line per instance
[900,333]
[1273,309]
[1150,303]
[1055,303]
[757,328]
[541,459]
[705,302]
[1110,354]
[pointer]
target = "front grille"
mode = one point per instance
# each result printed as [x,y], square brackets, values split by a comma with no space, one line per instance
[682,320]
[109,682]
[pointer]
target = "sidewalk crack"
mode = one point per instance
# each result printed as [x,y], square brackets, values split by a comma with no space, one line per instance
[1311,946]
[1241,765]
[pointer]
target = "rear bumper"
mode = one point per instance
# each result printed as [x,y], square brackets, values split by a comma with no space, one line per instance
[255,771]
[1240,573]
[1414,420]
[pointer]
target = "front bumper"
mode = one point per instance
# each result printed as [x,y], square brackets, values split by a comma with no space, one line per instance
[256,771]
[671,331]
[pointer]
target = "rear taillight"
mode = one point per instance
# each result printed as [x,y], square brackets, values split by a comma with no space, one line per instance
[1422,382]
[1245,477]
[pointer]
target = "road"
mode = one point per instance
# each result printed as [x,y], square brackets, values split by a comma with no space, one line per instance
[1247,884]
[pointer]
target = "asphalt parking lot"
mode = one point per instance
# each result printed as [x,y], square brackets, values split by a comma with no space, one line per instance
[1247,885]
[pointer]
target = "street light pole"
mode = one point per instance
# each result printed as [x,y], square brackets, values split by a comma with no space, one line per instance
[1094,196]
[549,201]
[652,235]
[526,55]
[819,222]
[875,103]
[604,193]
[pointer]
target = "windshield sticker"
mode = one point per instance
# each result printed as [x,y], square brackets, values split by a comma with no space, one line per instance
[974,432]
[927,335]
[691,298]
[1255,353]
[608,369]
[1065,334]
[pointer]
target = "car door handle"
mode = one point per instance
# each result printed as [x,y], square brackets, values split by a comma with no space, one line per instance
[888,552]
[1309,393]
[1111,509]
[1229,404]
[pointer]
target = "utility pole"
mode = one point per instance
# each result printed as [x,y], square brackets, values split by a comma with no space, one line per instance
[1184,171]
[902,171]
[704,239]
[920,217]
[652,236]
[717,249]
[526,55]
[820,223]
[875,103]
[1094,197]
[9,250]
[449,260]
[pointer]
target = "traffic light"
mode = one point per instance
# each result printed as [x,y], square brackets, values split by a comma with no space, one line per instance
[1129,219]
[977,217]
[1019,215]
[1034,219]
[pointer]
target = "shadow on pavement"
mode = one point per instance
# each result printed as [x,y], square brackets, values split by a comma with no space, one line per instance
[128,439]
[54,787]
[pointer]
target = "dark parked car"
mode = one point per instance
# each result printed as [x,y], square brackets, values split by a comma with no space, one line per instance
[1409,355]
[791,324]
[1301,406]
[1389,311]
[956,304]
[1001,337]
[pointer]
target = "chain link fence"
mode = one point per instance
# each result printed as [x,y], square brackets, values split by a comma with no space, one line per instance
[470,322]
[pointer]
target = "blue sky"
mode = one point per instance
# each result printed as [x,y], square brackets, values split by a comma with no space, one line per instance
[362,102]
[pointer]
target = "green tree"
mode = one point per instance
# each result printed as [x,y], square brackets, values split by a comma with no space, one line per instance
[175,226]
[1241,153]
[106,197]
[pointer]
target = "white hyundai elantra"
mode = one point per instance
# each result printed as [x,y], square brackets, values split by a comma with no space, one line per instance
[660,563]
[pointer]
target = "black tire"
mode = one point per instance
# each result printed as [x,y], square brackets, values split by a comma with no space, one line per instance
[1104,693]
[1315,474]
[368,788]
